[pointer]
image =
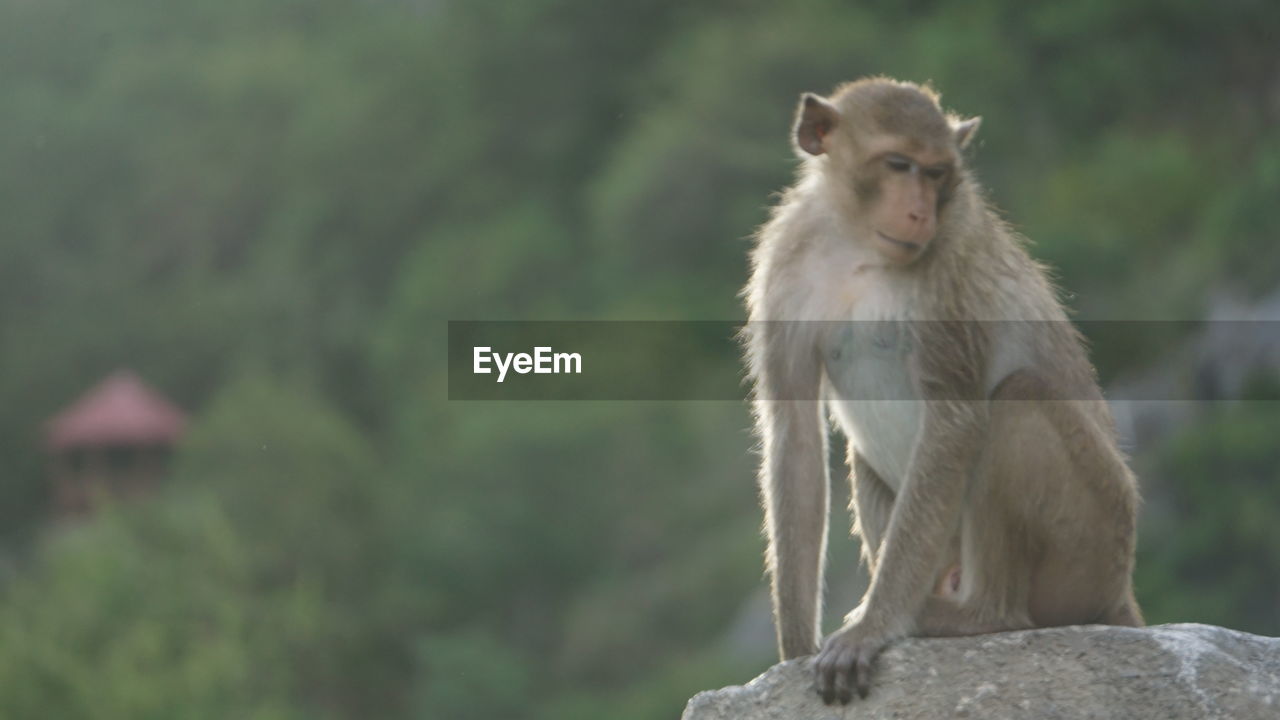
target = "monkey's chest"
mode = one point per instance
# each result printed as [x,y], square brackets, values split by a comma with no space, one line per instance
[872,392]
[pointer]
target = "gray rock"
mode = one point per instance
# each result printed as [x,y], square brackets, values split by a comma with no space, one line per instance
[1168,672]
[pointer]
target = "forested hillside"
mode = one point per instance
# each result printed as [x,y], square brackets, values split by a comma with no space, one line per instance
[270,210]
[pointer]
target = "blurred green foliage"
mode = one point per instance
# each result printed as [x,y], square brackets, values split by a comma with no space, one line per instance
[1223,484]
[269,209]
[154,615]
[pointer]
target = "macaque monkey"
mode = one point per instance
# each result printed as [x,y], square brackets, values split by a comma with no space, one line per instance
[988,490]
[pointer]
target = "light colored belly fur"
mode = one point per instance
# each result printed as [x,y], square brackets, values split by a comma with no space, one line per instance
[867,364]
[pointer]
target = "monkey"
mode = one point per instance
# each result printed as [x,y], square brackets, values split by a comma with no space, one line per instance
[888,298]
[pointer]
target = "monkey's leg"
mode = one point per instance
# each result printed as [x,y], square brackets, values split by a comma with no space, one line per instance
[995,563]
[1087,518]
[1126,612]
[999,538]
[872,502]
[942,617]
[1048,529]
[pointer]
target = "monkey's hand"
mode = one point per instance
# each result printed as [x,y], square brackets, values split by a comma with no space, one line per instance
[844,663]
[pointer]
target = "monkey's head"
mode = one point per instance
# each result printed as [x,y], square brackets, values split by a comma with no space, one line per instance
[891,155]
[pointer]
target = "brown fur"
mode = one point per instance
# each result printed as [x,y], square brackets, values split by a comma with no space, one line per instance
[989,493]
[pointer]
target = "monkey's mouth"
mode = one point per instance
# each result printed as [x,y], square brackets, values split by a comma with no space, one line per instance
[909,246]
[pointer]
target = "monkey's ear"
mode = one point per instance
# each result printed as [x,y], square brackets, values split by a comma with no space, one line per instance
[815,119]
[965,130]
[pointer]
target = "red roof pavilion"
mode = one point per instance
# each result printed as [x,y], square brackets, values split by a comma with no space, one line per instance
[120,410]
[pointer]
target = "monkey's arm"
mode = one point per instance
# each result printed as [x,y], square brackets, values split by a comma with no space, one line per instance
[925,516]
[793,478]
[926,513]
[873,505]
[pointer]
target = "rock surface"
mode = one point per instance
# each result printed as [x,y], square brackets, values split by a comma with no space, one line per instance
[1168,672]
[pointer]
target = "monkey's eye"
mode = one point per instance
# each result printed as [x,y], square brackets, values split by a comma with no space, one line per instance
[936,173]
[898,164]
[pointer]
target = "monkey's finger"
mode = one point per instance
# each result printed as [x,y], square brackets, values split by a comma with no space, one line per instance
[824,675]
[843,677]
[862,673]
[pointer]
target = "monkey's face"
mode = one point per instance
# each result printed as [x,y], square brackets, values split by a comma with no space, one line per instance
[890,155]
[900,192]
